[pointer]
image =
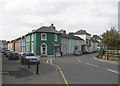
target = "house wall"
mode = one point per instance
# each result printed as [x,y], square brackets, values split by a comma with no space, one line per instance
[94,46]
[87,41]
[65,46]
[28,43]
[18,46]
[37,42]
[79,44]
[72,44]
[10,46]
[23,47]
[83,37]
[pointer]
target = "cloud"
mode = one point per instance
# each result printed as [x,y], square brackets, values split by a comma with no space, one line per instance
[21,17]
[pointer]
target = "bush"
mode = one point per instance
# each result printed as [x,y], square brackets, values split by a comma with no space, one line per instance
[101,52]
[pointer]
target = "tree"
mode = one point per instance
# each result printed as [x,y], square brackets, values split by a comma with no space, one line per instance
[110,38]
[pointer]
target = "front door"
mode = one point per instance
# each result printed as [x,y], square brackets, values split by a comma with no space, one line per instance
[44,50]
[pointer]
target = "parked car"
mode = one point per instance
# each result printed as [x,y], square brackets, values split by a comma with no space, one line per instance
[28,58]
[77,53]
[5,52]
[85,52]
[89,52]
[13,55]
[2,50]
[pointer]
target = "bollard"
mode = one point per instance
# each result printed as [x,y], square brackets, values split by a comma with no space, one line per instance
[37,68]
[28,63]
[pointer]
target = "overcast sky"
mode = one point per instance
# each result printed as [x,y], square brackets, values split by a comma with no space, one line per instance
[18,17]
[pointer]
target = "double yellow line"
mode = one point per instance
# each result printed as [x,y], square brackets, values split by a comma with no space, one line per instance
[65,80]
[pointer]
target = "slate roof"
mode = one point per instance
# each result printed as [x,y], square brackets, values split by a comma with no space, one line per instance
[96,37]
[94,40]
[71,37]
[45,29]
[64,36]
[82,32]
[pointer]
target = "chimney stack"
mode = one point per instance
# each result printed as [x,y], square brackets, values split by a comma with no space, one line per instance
[71,33]
[52,26]
[62,31]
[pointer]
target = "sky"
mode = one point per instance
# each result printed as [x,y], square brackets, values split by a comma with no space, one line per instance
[18,17]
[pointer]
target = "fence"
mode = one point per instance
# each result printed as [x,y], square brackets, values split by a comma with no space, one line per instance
[115,54]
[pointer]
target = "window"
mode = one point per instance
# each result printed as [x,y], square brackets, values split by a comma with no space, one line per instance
[28,38]
[55,37]
[43,36]
[32,37]
[32,48]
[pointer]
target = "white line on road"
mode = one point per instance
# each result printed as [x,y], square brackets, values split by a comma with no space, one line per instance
[92,65]
[51,61]
[113,71]
[79,60]
[48,60]
[66,81]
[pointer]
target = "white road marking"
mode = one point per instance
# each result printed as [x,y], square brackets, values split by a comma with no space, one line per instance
[113,71]
[51,61]
[64,78]
[79,60]
[92,65]
[48,60]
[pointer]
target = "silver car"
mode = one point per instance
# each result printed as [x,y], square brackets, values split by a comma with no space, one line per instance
[28,58]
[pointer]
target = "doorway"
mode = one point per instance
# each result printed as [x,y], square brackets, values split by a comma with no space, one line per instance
[44,49]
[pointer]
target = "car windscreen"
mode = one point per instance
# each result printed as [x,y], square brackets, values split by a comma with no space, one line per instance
[29,54]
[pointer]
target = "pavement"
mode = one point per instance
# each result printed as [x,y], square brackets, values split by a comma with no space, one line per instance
[13,72]
[107,61]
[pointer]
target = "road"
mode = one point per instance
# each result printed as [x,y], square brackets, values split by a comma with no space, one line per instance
[86,70]
[67,70]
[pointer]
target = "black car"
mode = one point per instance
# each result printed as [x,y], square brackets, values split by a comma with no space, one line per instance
[85,52]
[13,56]
[8,53]
[5,52]
[77,53]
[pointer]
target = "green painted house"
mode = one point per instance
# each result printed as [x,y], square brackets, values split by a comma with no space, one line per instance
[44,41]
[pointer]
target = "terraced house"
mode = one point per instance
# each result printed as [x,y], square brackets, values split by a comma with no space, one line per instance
[44,41]
[70,43]
[17,45]
[86,37]
[11,45]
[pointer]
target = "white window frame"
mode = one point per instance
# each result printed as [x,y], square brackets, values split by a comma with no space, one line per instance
[32,48]
[41,48]
[45,36]
[55,37]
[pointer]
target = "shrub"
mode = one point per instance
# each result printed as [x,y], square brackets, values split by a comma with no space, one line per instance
[101,53]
